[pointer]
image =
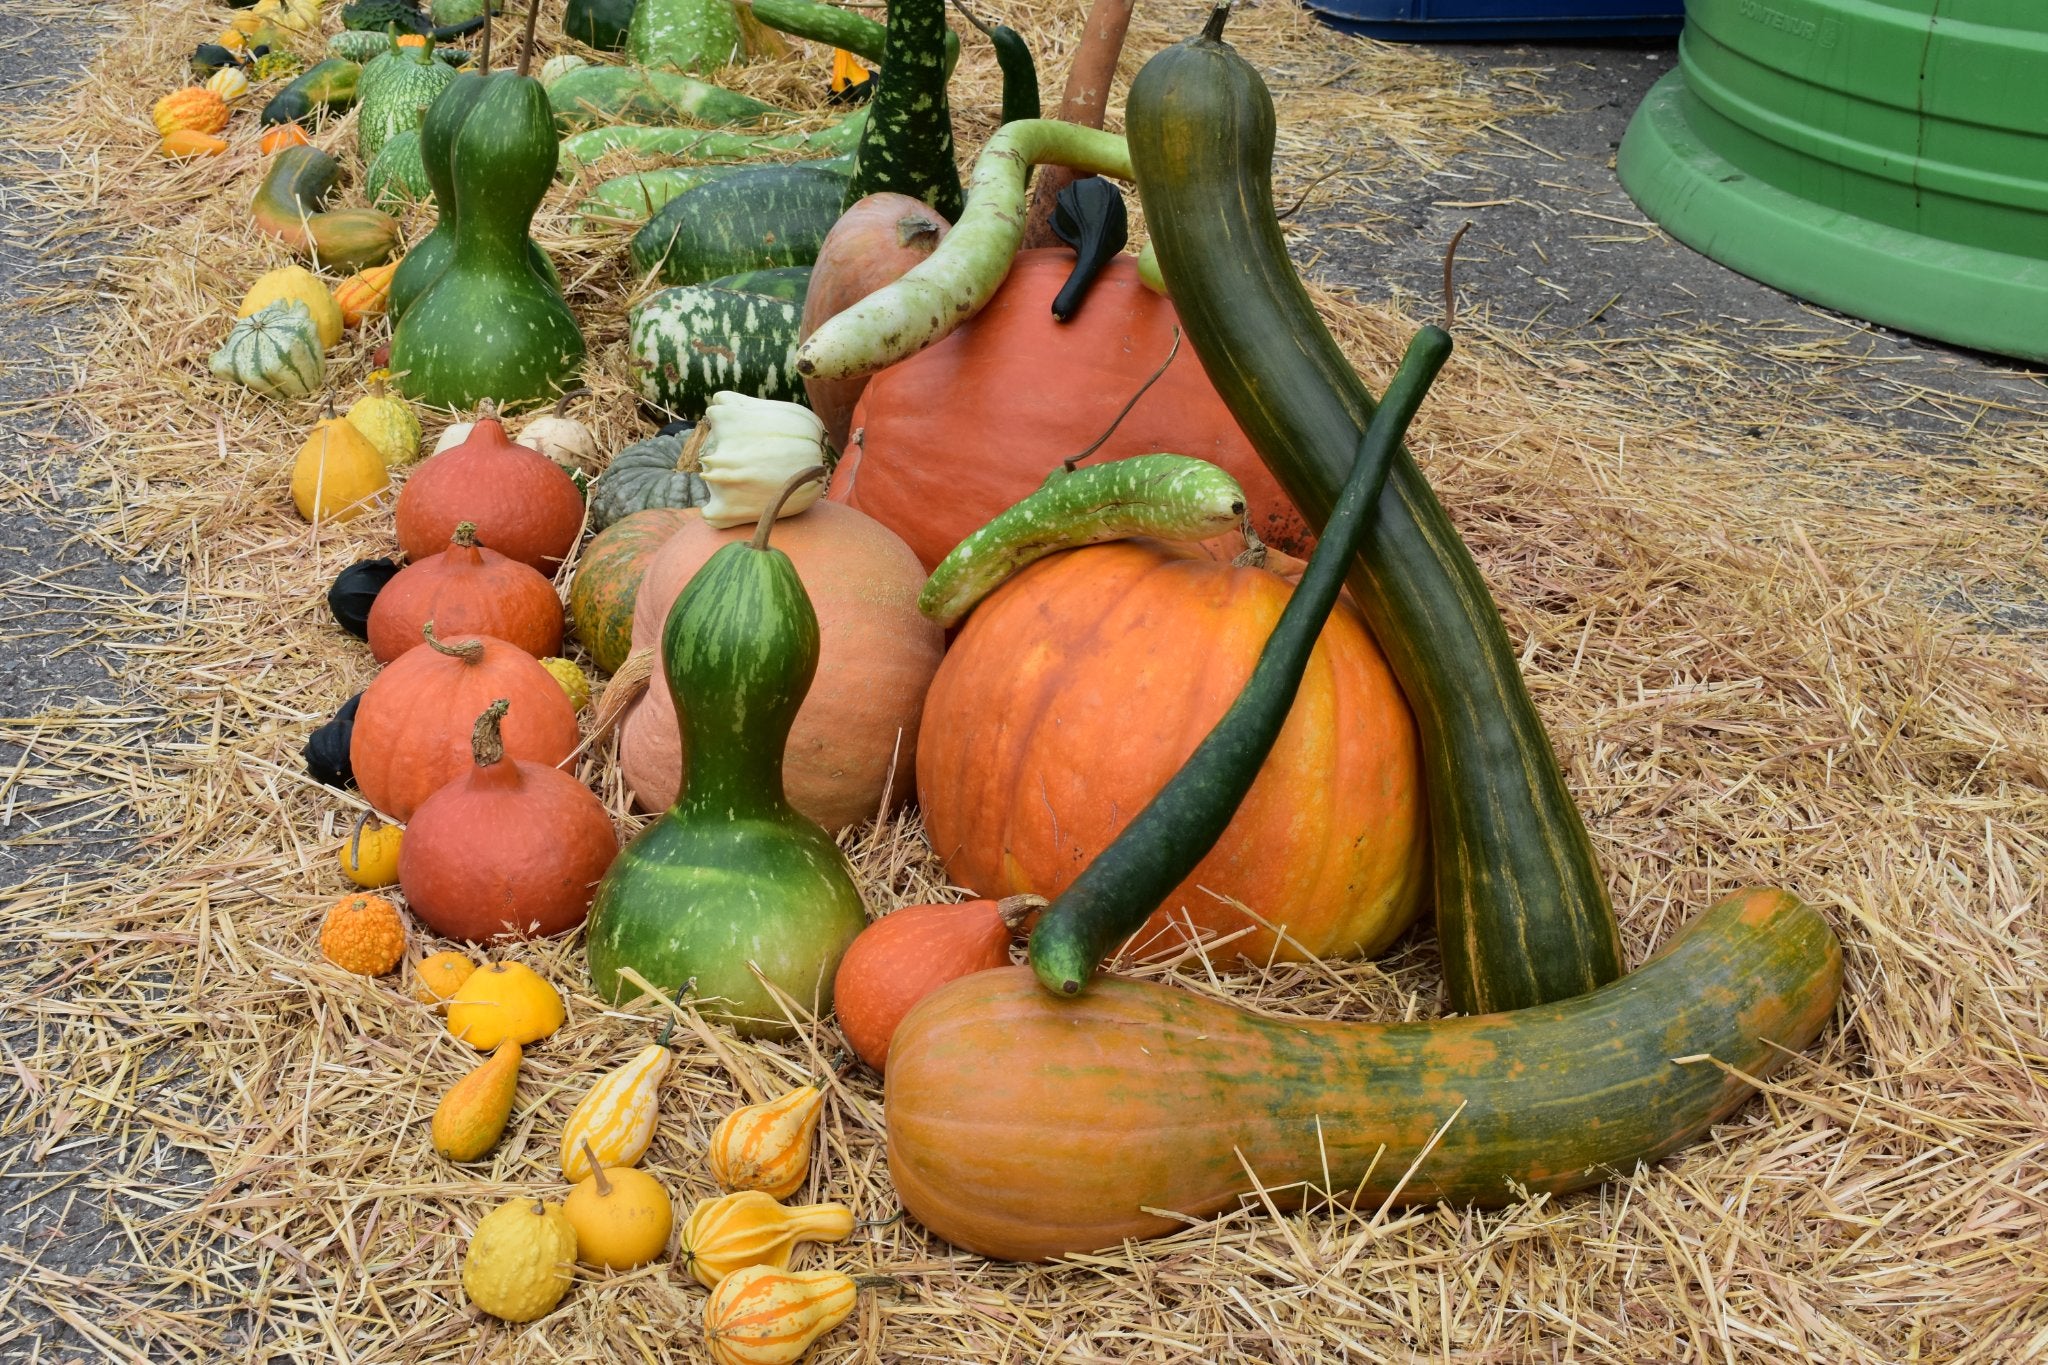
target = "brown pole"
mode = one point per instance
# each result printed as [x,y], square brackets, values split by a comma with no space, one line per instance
[1085,101]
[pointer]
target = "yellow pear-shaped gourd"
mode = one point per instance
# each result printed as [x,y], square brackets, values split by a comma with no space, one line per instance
[767,1147]
[337,473]
[521,1260]
[505,1001]
[369,858]
[387,422]
[575,683]
[296,284]
[472,1115]
[765,1316]
[622,1218]
[747,1228]
[615,1120]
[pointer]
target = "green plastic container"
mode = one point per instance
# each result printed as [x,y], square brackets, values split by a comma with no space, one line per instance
[1885,158]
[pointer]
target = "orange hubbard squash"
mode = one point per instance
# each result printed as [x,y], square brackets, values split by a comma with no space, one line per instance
[1080,686]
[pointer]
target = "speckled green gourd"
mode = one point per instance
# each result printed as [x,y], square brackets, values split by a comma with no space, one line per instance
[690,342]
[732,875]
[398,175]
[593,95]
[393,94]
[908,145]
[684,35]
[492,325]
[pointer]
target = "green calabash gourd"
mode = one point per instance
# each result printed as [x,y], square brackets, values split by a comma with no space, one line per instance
[732,878]
[491,325]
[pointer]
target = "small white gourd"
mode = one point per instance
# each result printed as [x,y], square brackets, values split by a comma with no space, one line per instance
[561,438]
[750,449]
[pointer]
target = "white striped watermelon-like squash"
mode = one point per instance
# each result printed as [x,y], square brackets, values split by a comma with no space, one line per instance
[275,351]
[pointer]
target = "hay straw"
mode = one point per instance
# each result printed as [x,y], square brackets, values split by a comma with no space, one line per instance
[1778,639]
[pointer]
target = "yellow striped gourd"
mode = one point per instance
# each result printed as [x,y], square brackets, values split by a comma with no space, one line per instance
[748,1228]
[766,1316]
[617,1117]
[767,1147]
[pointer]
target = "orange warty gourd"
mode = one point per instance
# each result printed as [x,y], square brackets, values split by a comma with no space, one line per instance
[906,955]
[193,109]
[876,657]
[510,849]
[1080,686]
[766,1316]
[363,934]
[874,243]
[414,724]
[521,503]
[960,431]
[467,589]
[767,1147]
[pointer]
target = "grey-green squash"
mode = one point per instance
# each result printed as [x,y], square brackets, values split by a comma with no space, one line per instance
[275,351]
[358,45]
[646,474]
[683,35]
[394,93]
[398,175]
[732,879]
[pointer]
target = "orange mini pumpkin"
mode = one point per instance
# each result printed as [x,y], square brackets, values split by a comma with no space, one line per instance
[364,935]
[282,136]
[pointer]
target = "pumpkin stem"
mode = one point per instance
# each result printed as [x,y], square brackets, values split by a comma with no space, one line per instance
[1253,555]
[580,391]
[330,407]
[604,1187]
[689,458]
[802,477]
[540,1208]
[669,1025]
[1014,910]
[1450,294]
[486,745]
[469,651]
[1218,17]
[465,535]
[1067,465]
[355,842]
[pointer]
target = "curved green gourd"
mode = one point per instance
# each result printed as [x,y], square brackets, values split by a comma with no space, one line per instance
[732,874]
[492,325]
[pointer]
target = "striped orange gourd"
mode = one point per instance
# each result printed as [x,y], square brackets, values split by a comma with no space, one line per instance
[617,1117]
[767,1147]
[748,1228]
[765,1316]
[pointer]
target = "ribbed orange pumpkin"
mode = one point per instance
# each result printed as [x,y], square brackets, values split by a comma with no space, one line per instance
[609,572]
[907,954]
[522,504]
[511,849]
[876,658]
[414,724]
[1081,685]
[959,432]
[467,589]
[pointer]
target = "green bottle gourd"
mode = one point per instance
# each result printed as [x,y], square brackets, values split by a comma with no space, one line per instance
[732,875]
[492,325]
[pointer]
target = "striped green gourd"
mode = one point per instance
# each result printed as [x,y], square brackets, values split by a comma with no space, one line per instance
[275,351]
[692,341]
[732,879]
[398,175]
[394,93]
[630,200]
[491,325]
[789,282]
[908,145]
[357,45]
[684,35]
[590,96]
[702,144]
[763,217]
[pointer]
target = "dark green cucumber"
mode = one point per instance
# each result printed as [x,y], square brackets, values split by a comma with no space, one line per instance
[630,200]
[1020,73]
[1521,911]
[691,342]
[328,86]
[600,23]
[1126,882]
[789,283]
[908,145]
[837,27]
[591,96]
[699,144]
[762,217]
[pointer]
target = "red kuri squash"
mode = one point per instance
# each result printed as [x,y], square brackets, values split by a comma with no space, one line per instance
[874,243]
[413,725]
[959,432]
[877,656]
[467,589]
[521,503]
[1080,686]
[511,849]
[904,956]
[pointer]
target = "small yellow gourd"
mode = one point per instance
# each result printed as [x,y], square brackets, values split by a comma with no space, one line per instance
[471,1117]
[193,109]
[521,1260]
[574,683]
[388,423]
[229,83]
[363,934]
[504,1001]
[748,1228]
[441,975]
[622,1217]
[367,294]
[616,1119]
[765,1316]
[369,858]
[296,284]
[181,144]
[337,472]
[767,1147]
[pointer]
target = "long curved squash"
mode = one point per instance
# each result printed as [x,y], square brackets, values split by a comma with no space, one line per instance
[1022,1126]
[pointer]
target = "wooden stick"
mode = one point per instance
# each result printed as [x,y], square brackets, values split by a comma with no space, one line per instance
[1085,101]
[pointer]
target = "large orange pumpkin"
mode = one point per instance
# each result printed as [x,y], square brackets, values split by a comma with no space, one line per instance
[1081,685]
[876,658]
[957,433]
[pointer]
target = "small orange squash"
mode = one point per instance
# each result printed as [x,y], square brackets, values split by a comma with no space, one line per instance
[906,955]
[441,975]
[363,934]
[180,143]
[765,1316]
[282,136]
[504,1002]
[471,1117]
[767,1147]
[747,1228]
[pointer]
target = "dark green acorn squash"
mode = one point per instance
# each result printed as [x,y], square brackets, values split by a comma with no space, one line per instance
[646,474]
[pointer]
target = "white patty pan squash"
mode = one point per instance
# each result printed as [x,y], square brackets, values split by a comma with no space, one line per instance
[752,447]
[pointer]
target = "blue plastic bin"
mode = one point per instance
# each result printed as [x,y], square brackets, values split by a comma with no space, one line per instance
[1502,20]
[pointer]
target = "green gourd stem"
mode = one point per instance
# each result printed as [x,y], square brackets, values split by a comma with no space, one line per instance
[837,27]
[1522,912]
[964,271]
[1013,58]
[526,39]
[1126,882]
[1167,497]
[668,1025]
[907,147]
[759,540]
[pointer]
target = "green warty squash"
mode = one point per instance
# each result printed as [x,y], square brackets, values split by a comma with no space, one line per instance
[399,174]
[394,93]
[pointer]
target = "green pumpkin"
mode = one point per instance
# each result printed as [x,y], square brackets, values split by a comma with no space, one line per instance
[275,351]
[491,324]
[645,474]
[731,877]
[394,93]
[358,45]
[398,175]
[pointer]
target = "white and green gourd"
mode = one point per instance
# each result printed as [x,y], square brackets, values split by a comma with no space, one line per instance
[393,94]
[750,450]
[692,341]
[275,351]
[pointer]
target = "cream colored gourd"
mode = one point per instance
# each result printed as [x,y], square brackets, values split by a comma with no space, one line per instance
[767,1147]
[749,451]
[748,1228]
[616,1119]
[562,438]
[229,83]
[521,1260]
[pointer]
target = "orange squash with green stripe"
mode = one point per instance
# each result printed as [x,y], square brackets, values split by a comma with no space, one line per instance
[1024,1126]
[609,572]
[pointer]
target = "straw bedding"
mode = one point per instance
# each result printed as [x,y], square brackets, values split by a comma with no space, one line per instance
[1750,613]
